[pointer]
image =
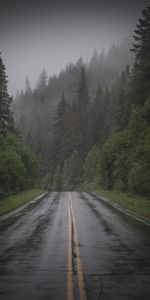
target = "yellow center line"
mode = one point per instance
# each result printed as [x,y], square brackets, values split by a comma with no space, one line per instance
[77,251]
[70,294]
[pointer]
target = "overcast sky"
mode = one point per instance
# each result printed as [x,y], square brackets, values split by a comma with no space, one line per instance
[51,33]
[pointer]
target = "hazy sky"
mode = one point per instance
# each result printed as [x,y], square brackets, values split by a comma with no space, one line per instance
[51,33]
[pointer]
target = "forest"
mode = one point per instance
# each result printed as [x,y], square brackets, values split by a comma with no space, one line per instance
[18,166]
[89,124]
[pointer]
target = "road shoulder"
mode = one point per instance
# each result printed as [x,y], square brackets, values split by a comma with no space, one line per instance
[23,206]
[134,215]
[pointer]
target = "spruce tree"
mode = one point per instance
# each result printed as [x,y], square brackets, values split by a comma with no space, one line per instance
[61,113]
[141,74]
[82,92]
[60,128]
[42,83]
[97,115]
[81,112]
[6,117]
[122,105]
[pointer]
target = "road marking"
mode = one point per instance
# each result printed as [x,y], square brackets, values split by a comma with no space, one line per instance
[73,231]
[70,294]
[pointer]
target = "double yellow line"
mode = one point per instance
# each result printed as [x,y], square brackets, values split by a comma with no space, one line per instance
[73,237]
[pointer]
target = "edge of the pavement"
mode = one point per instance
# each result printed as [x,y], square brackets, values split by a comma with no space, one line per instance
[15,211]
[134,215]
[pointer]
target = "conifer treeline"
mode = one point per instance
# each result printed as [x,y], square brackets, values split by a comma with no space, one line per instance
[106,140]
[123,162]
[83,124]
[101,136]
[35,109]
[6,117]
[18,167]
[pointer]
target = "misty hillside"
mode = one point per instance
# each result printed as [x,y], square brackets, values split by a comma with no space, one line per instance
[34,110]
[93,116]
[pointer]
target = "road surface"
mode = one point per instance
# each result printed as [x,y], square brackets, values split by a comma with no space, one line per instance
[70,246]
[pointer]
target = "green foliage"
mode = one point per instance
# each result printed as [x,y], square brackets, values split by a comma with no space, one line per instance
[12,173]
[146,111]
[10,203]
[61,146]
[111,151]
[6,117]
[92,165]
[81,116]
[82,93]
[137,126]
[97,117]
[139,176]
[18,167]
[121,100]
[124,160]
[46,182]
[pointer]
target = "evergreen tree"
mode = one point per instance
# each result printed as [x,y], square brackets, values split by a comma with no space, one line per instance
[42,83]
[81,113]
[122,103]
[6,117]
[28,89]
[28,96]
[108,113]
[140,88]
[60,114]
[72,172]
[82,92]
[41,88]
[60,128]
[92,165]
[98,116]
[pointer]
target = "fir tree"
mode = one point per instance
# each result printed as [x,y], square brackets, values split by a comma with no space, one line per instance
[141,74]
[42,80]
[122,104]
[82,92]
[60,130]
[6,117]
[97,115]
[81,113]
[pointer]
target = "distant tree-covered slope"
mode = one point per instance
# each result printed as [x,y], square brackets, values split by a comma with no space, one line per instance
[35,110]
[91,123]
[123,161]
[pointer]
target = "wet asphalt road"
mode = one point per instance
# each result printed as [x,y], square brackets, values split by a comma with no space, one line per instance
[114,251]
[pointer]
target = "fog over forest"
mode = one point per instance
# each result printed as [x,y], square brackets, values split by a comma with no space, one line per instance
[81,73]
[51,34]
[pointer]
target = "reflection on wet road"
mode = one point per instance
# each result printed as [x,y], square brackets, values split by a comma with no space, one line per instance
[43,257]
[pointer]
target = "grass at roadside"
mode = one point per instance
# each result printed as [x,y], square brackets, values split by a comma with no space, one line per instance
[134,203]
[12,202]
